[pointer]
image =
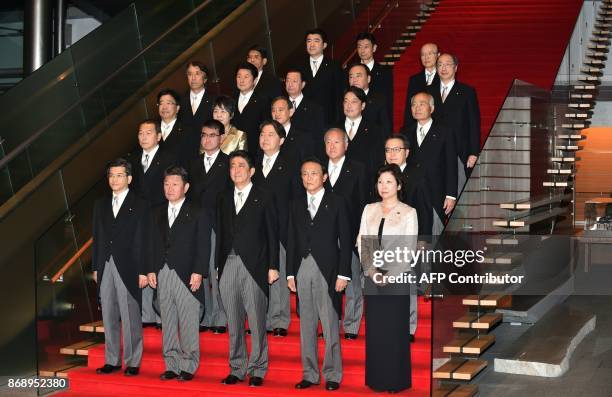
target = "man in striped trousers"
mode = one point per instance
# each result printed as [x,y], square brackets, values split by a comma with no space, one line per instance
[182,251]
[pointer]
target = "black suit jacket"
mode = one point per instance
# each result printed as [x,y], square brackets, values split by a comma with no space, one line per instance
[202,114]
[327,238]
[282,181]
[297,146]
[431,173]
[368,148]
[150,185]
[382,83]
[205,187]
[309,117]
[326,87]
[182,144]
[185,246]
[376,111]
[268,86]
[254,113]
[252,233]
[352,186]
[417,84]
[125,238]
[460,112]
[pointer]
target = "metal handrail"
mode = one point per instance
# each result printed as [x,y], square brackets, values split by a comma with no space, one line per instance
[25,144]
[72,260]
[388,7]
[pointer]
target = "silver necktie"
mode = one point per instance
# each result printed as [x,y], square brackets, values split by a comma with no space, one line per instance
[312,208]
[145,162]
[172,216]
[238,202]
[115,205]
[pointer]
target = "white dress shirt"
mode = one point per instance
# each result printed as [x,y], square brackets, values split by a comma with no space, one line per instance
[167,128]
[432,75]
[239,203]
[370,64]
[287,127]
[259,73]
[272,159]
[117,201]
[209,160]
[243,100]
[333,176]
[449,87]
[196,99]
[319,61]
[297,100]
[177,207]
[151,153]
[422,131]
[355,126]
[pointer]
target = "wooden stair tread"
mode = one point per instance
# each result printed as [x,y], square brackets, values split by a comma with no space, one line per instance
[535,202]
[478,345]
[453,390]
[95,326]
[457,343]
[60,370]
[79,348]
[460,369]
[492,300]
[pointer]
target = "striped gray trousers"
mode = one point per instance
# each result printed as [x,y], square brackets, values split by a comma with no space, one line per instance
[214,314]
[120,315]
[243,298]
[180,317]
[315,305]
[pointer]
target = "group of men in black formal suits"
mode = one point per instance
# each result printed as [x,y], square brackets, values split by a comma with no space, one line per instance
[217,238]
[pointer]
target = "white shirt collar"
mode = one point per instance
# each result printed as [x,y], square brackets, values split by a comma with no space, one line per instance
[259,73]
[297,100]
[247,96]
[425,126]
[339,164]
[287,128]
[366,91]
[167,127]
[197,96]
[272,159]
[318,197]
[370,64]
[450,85]
[319,59]
[347,124]
[151,152]
[121,196]
[245,191]
[214,156]
[403,166]
[178,207]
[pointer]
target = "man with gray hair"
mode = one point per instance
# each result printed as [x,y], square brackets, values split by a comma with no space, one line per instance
[347,178]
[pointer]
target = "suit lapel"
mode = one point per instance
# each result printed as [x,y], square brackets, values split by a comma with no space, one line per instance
[205,101]
[124,210]
[322,208]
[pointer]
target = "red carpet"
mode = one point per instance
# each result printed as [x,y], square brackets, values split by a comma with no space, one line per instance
[284,370]
[496,41]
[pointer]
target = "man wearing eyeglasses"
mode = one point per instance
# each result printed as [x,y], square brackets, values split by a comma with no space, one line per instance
[457,106]
[210,176]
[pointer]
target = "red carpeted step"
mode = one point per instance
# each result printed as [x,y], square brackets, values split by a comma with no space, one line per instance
[496,42]
[284,370]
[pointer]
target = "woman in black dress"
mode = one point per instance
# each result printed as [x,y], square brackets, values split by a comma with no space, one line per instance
[385,225]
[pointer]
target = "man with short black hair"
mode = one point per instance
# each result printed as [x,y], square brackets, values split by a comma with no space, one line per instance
[120,257]
[247,263]
[266,84]
[376,106]
[253,108]
[382,75]
[297,144]
[210,176]
[178,139]
[197,105]
[181,243]
[322,75]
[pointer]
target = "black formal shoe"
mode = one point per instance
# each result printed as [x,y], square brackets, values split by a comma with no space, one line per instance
[320,334]
[280,332]
[231,380]
[349,336]
[147,325]
[411,338]
[255,381]
[304,384]
[204,328]
[131,371]
[158,326]
[248,331]
[219,330]
[331,386]
[168,375]
[185,376]
[107,369]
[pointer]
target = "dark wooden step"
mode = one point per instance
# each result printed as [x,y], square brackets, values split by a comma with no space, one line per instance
[473,321]
[492,300]
[460,369]
[454,390]
[95,326]
[79,348]
[535,202]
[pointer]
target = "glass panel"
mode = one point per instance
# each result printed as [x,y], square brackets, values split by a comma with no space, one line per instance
[52,88]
